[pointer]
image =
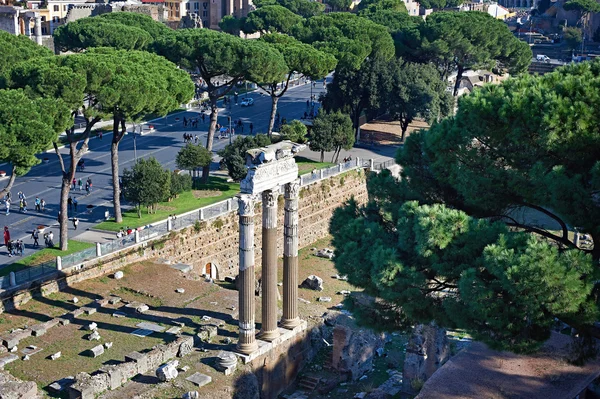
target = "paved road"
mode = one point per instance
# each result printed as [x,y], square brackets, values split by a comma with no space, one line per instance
[163,144]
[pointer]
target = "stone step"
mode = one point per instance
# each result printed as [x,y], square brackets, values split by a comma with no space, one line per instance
[308,383]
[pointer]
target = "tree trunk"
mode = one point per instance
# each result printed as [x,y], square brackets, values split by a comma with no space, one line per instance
[274,100]
[114,160]
[336,154]
[65,189]
[459,74]
[322,155]
[212,127]
[11,181]
[356,122]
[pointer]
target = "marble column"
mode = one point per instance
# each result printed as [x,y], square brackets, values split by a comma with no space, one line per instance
[247,341]
[269,329]
[38,29]
[290,317]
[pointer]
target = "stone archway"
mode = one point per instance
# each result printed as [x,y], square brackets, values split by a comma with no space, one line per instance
[211,270]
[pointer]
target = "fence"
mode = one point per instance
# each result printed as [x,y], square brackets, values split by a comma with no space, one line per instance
[162,228]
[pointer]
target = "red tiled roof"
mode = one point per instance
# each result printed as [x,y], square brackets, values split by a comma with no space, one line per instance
[479,372]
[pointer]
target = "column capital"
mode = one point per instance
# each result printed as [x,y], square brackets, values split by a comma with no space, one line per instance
[246,205]
[269,197]
[292,189]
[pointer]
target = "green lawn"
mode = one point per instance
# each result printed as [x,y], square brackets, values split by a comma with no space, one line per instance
[44,255]
[184,203]
[306,165]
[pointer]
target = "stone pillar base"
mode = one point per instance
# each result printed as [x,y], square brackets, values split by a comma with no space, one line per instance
[290,324]
[269,335]
[248,348]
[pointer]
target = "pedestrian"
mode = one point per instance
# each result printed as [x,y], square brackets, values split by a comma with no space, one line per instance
[185,122]
[43,205]
[100,135]
[70,203]
[35,236]
[314,84]
[24,205]
[89,182]
[7,205]
[20,195]
[21,205]
[251,128]
[305,114]
[10,248]
[75,222]
[19,248]
[87,188]
[196,139]
[6,235]
[58,217]
[324,83]
[8,196]
[37,204]
[307,103]
[203,117]
[74,183]
[80,184]
[75,202]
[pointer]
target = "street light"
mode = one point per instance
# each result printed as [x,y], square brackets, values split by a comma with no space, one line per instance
[230,131]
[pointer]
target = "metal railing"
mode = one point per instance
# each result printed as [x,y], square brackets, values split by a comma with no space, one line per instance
[161,228]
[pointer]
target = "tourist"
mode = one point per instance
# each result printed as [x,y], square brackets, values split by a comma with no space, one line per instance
[37,202]
[70,203]
[43,205]
[6,235]
[89,182]
[10,248]
[75,202]
[7,205]
[35,236]
[74,183]
[80,184]
[19,248]
[75,222]
[24,205]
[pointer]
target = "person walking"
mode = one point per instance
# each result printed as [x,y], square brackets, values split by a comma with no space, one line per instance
[21,201]
[7,205]
[80,184]
[75,222]
[251,128]
[6,236]
[43,205]
[87,188]
[75,202]
[74,183]
[100,135]
[24,205]
[70,203]
[35,236]
[37,203]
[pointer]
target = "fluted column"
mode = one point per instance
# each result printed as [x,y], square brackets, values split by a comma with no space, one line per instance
[290,256]
[38,29]
[247,341]
[269,266]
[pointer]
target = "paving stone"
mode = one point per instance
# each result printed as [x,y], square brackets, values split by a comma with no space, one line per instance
[119,314]
[199,379]
[31,350]
[173,330]
[141,332]
[150,326]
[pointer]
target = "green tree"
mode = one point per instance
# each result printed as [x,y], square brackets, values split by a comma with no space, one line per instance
[348,37]
[331,132]
[27,127]
[231,24]
[294,131]
[340,5]
[145,22]
[404,28]
[180,183]
[273,18]
[192,157]
[222,60]
[234,154]
[415,91]
[573,37]
[372,6]
[300,60]
[90,32]
[15,49]
[304,8]
[146,184]
[438,264]
[459,41]
[354,91]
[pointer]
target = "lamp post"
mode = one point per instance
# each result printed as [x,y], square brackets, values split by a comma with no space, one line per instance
[135,142]
[230,131]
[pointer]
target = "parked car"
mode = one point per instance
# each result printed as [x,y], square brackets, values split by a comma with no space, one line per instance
[246,102]
[542,58]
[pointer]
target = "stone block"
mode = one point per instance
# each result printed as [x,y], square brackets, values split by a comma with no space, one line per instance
[140,361]
[186,346]
[77,312]
[55,356]
[199,379]
[95,351]
[206,333]
[52,323]
[128,370]
[6,359]
[191,395]
[154,358]
[168,371]
[19,390]
[89,311]
[11,340]
[170,350]
[94,336]
[64,322]
[313,282]
[142,308]
[38,330]
[91,327]
[113,300]
[102,302]
[57,387]
[118,275]
[114,375]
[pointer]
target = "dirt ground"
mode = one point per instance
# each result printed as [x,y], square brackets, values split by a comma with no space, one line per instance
[155,284]
[387,132]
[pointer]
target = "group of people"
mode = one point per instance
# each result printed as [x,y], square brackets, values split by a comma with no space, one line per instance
[78,183]
[188,138]
[40,204]
[13,247]
[124,232]
[193,122]
[48,238]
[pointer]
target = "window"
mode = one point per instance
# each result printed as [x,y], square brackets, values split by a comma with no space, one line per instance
[177,14]
[187,6]
[196,6]
[205,23]
[205,5]
[56,8]
[65,7]
[205,13]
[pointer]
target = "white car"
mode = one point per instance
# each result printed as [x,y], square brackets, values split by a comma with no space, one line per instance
[246,102]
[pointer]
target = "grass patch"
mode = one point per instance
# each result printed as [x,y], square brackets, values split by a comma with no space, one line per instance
[45,255]
[306,165]
[184,203]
